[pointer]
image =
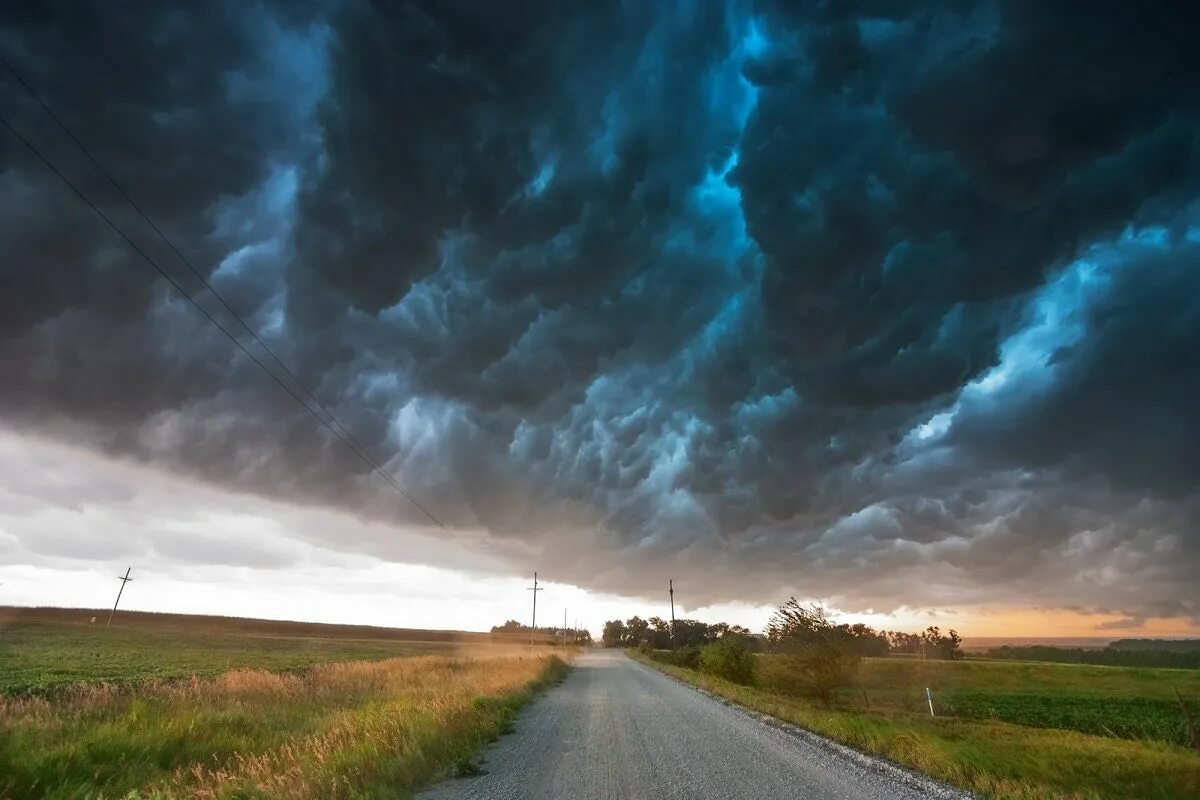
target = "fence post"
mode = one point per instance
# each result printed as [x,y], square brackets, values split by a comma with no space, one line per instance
[929,697]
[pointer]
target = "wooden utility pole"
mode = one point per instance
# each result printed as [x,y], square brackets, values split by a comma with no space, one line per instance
[671,591]
[533,628]
[124,580]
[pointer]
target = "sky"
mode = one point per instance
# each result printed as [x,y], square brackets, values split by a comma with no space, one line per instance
[893,306]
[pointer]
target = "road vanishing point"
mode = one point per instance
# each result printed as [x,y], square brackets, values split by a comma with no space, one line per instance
[619,730]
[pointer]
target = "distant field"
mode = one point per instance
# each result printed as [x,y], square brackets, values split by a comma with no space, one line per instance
[39,652]
[1121,702]
[1009,729]
[169,706]
[39,658]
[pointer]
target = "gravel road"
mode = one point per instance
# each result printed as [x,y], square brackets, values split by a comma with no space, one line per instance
[618,730]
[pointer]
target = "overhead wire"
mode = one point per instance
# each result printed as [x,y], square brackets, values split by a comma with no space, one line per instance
[344,436]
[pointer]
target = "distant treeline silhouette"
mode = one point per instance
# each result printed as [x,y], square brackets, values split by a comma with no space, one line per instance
[1174,645]
[1178,654]
[515,631]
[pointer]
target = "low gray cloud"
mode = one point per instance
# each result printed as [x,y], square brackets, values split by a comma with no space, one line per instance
[889,303]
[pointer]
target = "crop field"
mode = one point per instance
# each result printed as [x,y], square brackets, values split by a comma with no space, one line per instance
[198,712]
[1122,702]
[1005,729]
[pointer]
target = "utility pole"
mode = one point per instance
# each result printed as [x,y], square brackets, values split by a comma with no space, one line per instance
[533,628]
[124,580]
[671,591]
[564,639]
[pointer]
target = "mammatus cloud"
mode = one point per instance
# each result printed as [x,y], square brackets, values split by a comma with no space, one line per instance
[879,302]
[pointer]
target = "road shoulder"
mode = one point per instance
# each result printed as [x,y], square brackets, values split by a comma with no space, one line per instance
[889,769]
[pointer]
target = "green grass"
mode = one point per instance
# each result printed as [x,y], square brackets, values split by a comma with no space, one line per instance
[1124,702]
[38,657]
[182,709]
[355,730]
[1012,753]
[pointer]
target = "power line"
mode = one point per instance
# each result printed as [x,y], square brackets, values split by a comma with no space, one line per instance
[343,438]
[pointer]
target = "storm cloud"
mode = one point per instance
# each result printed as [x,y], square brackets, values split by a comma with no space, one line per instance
[887,303]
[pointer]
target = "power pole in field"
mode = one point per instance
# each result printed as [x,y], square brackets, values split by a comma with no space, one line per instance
[671,591]
[533,628]
[564,641]
[124,580]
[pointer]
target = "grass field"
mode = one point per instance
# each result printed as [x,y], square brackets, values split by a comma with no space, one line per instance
[39,657]
[1006,729]
[198,712]
[1122,702]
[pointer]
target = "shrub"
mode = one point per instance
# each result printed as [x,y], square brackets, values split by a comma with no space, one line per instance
[813,672]
[730,658]
[818,657]
[688,657]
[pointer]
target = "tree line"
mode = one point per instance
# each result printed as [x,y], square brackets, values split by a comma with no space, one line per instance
[517,631]
[655,633]
[1179,658]
[804,652]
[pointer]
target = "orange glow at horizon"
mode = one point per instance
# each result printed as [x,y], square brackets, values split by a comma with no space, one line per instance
[1029,623]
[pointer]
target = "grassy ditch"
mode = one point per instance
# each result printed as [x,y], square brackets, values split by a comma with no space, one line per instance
[995,750]
[339,730]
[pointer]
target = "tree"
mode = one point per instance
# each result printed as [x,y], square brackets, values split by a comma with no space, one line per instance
[614,633]
[820,655]
[901,642]
[637,631]
[867,643]
[660,633]
[514,630]
[691,633]
[937,645]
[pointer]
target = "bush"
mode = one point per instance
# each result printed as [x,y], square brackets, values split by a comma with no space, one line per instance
[814,672]
[688,657]
[730,658]
[816,657]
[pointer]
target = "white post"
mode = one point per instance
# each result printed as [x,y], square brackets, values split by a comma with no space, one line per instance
[929,697]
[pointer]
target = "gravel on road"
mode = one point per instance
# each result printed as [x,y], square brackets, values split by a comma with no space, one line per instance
[618,730]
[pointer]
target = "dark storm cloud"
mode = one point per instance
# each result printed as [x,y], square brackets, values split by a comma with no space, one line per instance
[884,302]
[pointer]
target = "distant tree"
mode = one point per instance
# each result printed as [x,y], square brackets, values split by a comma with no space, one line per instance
[820,655]
[1110,656]
[637,631]
[691,633]
[901,642]
[1158,645]
[615,634]
[941,646]
[866,641]
[660,633]
[512,629]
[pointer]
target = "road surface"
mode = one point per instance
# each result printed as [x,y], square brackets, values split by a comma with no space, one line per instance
[619,730]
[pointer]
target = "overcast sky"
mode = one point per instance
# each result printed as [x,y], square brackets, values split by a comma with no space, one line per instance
[887,304]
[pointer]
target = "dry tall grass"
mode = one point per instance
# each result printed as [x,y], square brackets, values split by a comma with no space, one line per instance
[336,731]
